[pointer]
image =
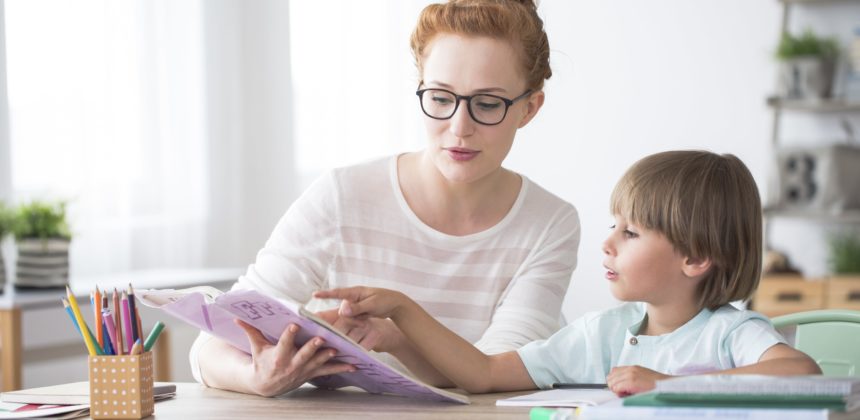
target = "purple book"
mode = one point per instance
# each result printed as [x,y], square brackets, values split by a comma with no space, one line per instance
[213,311]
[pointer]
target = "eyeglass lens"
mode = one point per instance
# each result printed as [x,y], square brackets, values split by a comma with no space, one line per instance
[486,109]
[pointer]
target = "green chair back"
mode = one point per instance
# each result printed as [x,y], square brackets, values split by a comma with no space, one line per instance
[831,337]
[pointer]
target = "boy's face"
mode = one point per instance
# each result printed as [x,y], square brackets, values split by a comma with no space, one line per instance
[643,266]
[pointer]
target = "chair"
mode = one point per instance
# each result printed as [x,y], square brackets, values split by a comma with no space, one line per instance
[831,337]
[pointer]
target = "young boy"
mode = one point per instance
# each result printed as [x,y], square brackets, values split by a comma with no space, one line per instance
[687,240]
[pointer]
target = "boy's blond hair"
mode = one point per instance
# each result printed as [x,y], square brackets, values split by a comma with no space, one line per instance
[708,206]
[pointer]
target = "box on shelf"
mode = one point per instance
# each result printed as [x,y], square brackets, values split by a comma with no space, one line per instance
[843,292]
[784,294]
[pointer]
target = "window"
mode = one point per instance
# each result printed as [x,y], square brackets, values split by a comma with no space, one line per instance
[106,111]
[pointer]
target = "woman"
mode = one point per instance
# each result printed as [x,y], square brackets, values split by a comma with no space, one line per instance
[481,248]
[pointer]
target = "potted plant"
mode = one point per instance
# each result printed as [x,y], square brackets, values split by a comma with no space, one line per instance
[42,238]
[807,65]
[844,286]
[6,220]
[845,254]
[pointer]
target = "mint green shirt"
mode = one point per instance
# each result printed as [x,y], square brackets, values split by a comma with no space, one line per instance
[587,349]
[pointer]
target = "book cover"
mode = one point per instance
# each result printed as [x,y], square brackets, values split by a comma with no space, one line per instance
[656,399]
[75,393]
[212,311]
[619,412]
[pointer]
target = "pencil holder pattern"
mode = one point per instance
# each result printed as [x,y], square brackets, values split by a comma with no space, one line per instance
[121,386]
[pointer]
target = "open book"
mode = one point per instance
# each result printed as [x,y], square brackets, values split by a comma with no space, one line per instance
[212,311]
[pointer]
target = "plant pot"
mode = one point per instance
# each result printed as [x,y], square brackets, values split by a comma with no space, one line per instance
[2,273]
[42,263]
[806,77]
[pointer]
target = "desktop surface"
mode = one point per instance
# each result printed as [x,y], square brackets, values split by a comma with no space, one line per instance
[194,401]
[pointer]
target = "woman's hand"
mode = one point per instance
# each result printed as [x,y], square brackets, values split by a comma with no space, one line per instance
[363,302]
[281,367]
[375,334]
[629,380]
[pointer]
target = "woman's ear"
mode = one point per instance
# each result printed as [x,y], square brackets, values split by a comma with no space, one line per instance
[535,102]
[696,267]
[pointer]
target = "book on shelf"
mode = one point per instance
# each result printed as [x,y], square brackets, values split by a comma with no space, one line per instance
[214,312]
[753,391]
[561,398]
[75,393]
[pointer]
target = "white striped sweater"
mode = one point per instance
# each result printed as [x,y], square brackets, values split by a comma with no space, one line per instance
[500,288]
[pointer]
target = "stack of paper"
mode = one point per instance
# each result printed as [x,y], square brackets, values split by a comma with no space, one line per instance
[754,391]
[561,398]
[66,401]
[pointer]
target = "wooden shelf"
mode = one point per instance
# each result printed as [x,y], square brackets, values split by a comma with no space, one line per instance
[822,105]
[847,217]
[814,1]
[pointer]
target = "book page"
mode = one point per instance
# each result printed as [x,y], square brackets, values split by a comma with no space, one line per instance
[561,398]
[272,316]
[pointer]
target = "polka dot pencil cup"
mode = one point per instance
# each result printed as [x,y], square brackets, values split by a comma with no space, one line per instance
[121,386]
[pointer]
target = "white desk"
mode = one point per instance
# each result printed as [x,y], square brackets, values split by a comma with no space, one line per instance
[194,401]
[14,301]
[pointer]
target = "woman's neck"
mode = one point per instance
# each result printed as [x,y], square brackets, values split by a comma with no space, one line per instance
[456,208]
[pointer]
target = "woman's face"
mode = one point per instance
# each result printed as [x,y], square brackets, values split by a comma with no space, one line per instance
[462,149]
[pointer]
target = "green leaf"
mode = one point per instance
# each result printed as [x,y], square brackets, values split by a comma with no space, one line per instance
[41,220]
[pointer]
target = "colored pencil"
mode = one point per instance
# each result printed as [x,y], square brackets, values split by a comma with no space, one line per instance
[153,336]
[135,330]
[126,323]
[136,348]
[97,311]
[71,315]
[107,347]
[139,323]
[91,348]
[117,322]
[111,330]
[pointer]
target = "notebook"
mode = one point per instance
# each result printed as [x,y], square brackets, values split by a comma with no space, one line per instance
[213,311]
[74,393]
[37,411]
[561,398]
[760,385]
[753,391]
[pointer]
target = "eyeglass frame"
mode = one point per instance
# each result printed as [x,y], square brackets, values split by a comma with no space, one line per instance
[468,99]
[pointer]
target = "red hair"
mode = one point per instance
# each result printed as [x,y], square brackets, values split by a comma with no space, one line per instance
[514,21]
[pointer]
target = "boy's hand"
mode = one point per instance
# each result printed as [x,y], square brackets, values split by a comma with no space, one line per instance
[362,302]
[375,334]
[629,380]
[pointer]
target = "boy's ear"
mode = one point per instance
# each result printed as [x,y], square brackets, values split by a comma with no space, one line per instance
[696,267]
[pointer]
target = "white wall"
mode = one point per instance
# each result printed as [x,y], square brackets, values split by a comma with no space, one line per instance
[632,78]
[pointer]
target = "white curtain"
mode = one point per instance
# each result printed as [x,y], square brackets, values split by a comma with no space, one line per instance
[106,110]
[180,131]
[354,79]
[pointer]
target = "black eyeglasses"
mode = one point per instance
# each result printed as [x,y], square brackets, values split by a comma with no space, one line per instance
[484,108]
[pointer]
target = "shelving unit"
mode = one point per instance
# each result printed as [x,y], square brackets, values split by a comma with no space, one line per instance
[781,294]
